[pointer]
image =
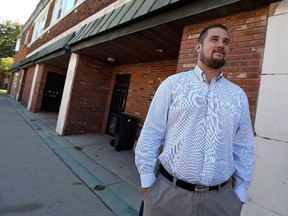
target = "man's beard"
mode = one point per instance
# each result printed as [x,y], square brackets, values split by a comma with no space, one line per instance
[212,62]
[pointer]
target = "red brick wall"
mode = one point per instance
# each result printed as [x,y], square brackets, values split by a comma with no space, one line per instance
[36,92]
[93,86]
[145,79]
[21,54]
[27,86]
[40,84]
[85,10]
[247,34]
[50,14]
[20,84]
[88,97]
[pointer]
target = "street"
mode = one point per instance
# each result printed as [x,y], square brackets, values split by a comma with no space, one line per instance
[42,173]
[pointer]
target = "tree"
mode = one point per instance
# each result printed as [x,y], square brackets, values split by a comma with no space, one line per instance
[9,32]
[6,64]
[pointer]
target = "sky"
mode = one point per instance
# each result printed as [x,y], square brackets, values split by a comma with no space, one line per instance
[17,10]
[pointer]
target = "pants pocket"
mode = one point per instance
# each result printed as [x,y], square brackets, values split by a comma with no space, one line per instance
[150,189]
[235,196]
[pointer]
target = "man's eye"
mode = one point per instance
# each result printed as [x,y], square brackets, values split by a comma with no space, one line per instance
[226,42]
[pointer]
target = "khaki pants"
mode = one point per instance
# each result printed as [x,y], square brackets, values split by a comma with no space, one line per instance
[162,199]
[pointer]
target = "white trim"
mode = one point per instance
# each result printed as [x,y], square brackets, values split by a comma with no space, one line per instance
[33,87]
[20,85]
[39,26]
[43,13]
[282,8]
[62,116]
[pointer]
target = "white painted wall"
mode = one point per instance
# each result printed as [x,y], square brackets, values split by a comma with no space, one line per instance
[268,194]
[66,93]
[20,85]
[14,83]
[33,86]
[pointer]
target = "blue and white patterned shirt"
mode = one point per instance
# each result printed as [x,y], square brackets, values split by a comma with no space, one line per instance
[205,130]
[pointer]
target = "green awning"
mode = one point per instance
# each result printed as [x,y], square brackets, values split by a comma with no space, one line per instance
[137,15]
[130,11]
[15,67]
[58,46]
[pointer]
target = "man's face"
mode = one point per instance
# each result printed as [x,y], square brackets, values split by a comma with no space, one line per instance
[215,48]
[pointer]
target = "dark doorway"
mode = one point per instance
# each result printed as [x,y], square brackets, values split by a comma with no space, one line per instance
[53,92]
[118,102]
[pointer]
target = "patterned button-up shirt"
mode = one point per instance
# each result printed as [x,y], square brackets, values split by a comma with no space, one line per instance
[205,130]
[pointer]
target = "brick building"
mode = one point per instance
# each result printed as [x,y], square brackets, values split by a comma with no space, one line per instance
[89,59]
[3,80]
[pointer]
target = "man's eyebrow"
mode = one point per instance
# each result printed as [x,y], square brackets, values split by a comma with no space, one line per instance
[227,39]
[214,36]
[218,36]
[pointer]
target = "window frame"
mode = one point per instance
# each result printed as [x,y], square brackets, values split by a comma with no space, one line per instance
[39,24]
[62,8]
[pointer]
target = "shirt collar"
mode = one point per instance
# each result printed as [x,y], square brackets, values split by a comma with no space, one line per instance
[201,75]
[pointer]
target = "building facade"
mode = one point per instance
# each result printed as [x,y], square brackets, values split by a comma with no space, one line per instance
[88,60]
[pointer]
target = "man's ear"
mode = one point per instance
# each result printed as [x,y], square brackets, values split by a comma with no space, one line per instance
[198,47]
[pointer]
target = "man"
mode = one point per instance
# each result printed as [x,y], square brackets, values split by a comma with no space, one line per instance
[202,121]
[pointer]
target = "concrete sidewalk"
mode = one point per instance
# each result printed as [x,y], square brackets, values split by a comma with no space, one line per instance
[42,173]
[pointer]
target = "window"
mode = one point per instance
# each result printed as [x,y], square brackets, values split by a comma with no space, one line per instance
[62,7]
[26,38]
[39,25]
[17,46]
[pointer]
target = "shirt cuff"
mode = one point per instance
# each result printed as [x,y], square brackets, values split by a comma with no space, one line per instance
[147,179]
[241,193]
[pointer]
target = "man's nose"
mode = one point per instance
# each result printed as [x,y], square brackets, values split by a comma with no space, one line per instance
[220,43]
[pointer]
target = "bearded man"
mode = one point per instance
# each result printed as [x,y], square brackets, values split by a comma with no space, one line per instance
[203,123]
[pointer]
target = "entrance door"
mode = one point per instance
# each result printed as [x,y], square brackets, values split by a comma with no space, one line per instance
[53,92]
[118,102]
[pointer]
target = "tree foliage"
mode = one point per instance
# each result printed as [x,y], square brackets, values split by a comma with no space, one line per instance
[6,64]
[9,32]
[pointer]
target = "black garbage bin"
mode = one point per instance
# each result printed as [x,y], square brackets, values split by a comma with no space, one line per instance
[113,125]
[125,131]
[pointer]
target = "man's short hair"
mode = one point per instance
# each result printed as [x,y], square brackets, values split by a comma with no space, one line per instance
[204,32]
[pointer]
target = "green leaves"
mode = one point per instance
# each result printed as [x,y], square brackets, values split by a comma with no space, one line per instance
[9,32]
[6,63]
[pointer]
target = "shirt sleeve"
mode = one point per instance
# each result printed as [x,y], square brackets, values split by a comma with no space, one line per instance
[152,135]
[243,152]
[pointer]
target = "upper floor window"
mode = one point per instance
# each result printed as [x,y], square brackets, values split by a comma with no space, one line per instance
[39,24]
[17,46]
[62,7]
[26,38]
